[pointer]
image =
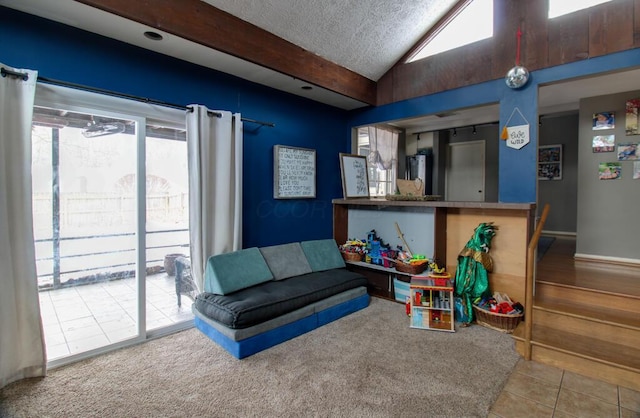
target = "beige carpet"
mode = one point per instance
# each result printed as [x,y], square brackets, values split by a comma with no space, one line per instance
[368,364]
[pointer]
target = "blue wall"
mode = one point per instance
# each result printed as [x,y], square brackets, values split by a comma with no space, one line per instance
[517,173]
[64,53]
[68,54]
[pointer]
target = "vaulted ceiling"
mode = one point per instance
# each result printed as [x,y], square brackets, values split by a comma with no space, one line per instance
[330,51]
[339,48]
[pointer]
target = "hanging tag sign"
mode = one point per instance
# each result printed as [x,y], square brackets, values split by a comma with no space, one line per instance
[518,136]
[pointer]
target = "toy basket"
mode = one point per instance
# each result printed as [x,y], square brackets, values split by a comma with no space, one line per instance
[497,321]
[348,256]
[411,268]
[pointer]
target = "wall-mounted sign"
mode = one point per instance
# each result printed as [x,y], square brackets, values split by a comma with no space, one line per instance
[294,172]
[518,136]
[355,181]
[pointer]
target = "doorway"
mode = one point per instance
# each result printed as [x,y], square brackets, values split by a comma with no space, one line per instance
[465,174]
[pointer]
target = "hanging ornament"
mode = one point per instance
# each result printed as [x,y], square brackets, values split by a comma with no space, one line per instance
[518,75]
[505,133]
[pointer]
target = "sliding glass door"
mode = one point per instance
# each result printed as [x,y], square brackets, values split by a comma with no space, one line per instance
[110,207]
[167,223]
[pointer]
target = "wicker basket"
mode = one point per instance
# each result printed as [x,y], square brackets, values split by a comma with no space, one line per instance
[352,256]
[500,322]
[411,268]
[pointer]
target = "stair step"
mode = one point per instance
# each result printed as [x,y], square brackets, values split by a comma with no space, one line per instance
[587,327]
[598,299]
[607,352]
[586,316]
[607,324]
[607,315]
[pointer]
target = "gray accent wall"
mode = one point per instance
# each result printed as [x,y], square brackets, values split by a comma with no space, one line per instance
[561,195]
[607,212]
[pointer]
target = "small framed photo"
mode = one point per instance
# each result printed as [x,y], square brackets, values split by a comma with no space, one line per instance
[355,180]
[627,152]
[636,170]
[604,143]
[631,119]
[550,162]
[604,120]
[609,171]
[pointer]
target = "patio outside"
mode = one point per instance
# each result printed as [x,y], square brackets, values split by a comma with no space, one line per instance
[82,318]
[87,226]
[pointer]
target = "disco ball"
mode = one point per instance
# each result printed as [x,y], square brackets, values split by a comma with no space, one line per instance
[517,77]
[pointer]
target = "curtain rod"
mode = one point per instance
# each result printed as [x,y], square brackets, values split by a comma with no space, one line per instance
[4,72]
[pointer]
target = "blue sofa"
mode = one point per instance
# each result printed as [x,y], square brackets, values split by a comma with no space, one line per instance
[256,298]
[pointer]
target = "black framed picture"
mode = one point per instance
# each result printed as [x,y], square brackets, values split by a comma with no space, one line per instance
[355,180]
[550,162]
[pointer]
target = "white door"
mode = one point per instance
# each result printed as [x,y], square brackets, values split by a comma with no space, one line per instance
[465,172]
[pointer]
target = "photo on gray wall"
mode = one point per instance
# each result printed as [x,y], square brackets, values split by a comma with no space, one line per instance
[603,143]
[636,170]
[627,152]
[604,120]
[550,162]
[609,171]
[631,119]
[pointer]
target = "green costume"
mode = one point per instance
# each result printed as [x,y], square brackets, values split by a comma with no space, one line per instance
[474,262]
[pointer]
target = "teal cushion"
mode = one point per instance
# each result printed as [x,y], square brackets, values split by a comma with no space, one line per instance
[230,272]
[286,260]
[322,254]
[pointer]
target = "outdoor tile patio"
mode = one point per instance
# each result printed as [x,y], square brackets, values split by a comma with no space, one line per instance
[83,318]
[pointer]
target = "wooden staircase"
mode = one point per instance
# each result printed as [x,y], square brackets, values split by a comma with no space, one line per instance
[586,317]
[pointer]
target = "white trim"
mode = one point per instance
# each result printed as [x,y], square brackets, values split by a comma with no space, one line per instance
[615,260]
[141,226]
[559,233]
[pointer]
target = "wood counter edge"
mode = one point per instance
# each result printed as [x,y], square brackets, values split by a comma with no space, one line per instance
[434,204]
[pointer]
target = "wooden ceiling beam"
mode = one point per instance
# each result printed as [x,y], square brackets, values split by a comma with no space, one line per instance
[206,25]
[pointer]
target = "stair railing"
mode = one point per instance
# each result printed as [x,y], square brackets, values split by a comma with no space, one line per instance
[529,283]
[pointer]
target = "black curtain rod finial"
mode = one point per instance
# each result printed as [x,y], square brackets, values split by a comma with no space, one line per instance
[4,72]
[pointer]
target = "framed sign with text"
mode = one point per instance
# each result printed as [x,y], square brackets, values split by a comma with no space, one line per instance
[294,172]
[355,181]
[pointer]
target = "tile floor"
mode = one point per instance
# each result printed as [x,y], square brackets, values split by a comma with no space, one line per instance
[83,318]
[537,390]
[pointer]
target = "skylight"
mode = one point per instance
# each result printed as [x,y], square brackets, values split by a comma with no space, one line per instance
[472,24]
[563,7]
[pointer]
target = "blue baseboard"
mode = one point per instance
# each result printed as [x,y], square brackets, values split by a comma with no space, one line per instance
[260,342]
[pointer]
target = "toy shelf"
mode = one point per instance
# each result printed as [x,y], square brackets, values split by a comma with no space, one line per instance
[431,303]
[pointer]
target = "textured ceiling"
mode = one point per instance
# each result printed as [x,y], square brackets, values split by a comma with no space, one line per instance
[365,36]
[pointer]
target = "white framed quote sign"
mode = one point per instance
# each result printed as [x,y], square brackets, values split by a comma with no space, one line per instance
[294,172]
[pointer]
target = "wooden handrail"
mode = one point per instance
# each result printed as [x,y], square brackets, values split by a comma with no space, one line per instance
[528,295]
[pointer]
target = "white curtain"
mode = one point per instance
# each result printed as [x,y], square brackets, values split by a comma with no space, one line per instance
[383,154]
[214,146]
[22,349]
[383,148]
